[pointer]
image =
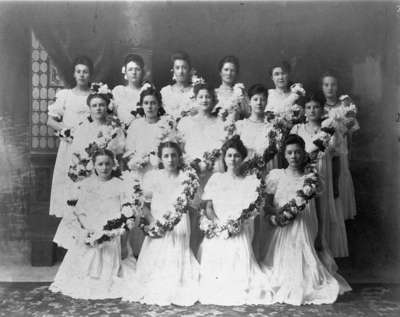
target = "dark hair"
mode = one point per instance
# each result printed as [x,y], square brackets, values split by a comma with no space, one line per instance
[236,143]
[257,89]
[283,64]
[168,144]
[294,139]
[181,55]
[316,97]
[105,97]
[101,152]
[229,59]
[134,58]
[329,73]
[83,60]
[151,91]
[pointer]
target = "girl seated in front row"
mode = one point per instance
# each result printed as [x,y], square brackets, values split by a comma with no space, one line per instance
[297,274]
[92,271]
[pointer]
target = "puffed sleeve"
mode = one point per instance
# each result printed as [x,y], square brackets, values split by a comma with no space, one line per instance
[295,129]
[130,141]
[272,179]
[211,188]
[149,184]
[57,108]
[117,144]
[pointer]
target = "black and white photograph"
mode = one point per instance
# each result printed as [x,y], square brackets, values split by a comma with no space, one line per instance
[200,158]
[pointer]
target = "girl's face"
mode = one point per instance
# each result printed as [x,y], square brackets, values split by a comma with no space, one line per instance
[98,108]
[170,158]
[294,155]
[329,86]
[313,111]
[280,77]
[181,71]
[233,159]
[134,73]
[204,99]
[150,106]
[228,73]
[103,166]
[81,75]
[258,103]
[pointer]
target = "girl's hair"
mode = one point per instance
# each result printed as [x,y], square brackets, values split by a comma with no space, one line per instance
[181,55]
[102,152]
[134,58]
[284,65]
[169,144]
[105,97]
[151,91]
[257,89]
[235,143]
[229,59]
[83,60]
[316,97]
[329,73]
[210,90]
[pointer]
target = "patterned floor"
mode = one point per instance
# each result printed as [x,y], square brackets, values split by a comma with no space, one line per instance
[33,299]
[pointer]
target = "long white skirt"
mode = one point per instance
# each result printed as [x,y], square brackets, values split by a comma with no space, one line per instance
[297,274]
[166,271]
[90,272]
[229,273]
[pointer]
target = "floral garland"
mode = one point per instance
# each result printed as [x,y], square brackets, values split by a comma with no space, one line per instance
[115,227]
[232,227]
[171,218]
[224,108]
[287,213]
[167,126]
[81,165]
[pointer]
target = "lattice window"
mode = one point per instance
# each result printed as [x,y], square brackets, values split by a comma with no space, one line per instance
[45,84]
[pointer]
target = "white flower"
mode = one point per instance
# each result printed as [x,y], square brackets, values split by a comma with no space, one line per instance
[308,190]
[127,211]
[144,87]
[225,234]
[297,88]
[238,89]
[123,70]
[300,201]
[154,160]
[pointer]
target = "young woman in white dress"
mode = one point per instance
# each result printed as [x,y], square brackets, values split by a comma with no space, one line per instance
[94,128]
[343,181]
[202,133]
[64,115]
[177,97]
[126,97]
[228,97]
[143,137]
[92,271]
[297,275]
[333,226]
[167,271]
[253,132]
[229,272]
[281,98]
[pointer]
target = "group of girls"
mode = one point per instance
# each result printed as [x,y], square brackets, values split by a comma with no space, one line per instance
[155,138]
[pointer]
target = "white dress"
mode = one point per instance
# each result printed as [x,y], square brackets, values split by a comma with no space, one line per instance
[334,228]
[229,272]
[254,137]
[298,275]
[346,188]
[126,100]
[280,103]
[226,99]
[174,101]
[72,109]
[166,271]
[201,134]
[92,272]
[85,133]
